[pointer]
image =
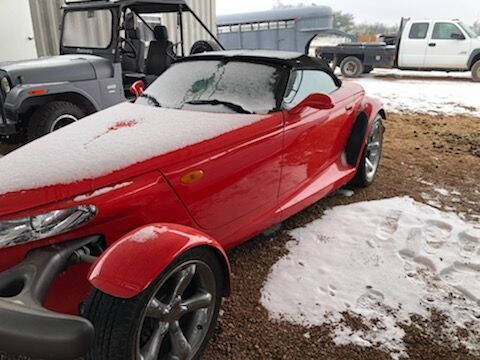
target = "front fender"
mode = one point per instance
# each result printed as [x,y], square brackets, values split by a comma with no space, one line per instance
[21,94]
[129,266]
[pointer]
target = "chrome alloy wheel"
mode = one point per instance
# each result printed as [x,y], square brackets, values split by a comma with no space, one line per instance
[62,121]
[177,318]
[374,149]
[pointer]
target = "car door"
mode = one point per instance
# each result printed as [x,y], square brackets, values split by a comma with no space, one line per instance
[413,46]
[232,176]
[310,135]
[448,47]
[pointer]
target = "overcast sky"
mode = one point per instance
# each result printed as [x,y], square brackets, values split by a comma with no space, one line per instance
[386,11]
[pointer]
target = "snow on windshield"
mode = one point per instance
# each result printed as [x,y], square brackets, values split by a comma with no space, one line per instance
[250,86]
[109,141]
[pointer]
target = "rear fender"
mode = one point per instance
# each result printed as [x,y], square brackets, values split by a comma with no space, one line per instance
[133,263]
[364,121]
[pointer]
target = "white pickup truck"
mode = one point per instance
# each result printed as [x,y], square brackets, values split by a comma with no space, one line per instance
[445,45]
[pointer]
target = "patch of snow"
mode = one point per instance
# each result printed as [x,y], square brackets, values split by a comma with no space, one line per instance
[109,141]
[424,96]
[442,191]
[346,192]
[383,260]
[100,192]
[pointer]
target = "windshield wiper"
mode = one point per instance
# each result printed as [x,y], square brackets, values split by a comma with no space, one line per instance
[235,107]
[151,99]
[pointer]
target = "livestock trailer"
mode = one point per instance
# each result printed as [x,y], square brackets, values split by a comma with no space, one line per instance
[280,29]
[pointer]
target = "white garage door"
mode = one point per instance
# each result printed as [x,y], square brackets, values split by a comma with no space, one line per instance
[16,31]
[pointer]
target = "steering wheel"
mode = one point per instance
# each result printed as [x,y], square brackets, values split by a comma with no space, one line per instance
[131,52]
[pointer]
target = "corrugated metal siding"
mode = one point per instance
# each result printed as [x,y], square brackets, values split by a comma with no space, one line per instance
[46,16]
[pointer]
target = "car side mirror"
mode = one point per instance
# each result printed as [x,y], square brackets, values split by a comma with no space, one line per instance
[457,36]
[137,88]
[315,101]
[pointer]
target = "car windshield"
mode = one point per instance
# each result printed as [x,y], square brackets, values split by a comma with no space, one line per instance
[96,28]
[469,30]
[217,86]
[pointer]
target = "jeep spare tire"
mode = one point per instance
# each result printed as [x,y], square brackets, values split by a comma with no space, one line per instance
[52,117]
[203,46]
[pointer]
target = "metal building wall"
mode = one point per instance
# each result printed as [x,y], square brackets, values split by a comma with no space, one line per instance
[46,17]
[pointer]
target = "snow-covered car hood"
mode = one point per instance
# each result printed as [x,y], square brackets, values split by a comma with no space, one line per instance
[58,69]
[115,140]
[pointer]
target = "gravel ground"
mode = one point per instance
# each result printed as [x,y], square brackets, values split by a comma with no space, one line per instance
[418,150]
[439,150]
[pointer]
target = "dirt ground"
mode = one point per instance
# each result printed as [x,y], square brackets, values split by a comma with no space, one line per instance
[418,151]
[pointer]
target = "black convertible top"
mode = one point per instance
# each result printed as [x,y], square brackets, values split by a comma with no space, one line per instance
[291,60]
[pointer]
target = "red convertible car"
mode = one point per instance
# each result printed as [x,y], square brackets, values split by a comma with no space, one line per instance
[113,230]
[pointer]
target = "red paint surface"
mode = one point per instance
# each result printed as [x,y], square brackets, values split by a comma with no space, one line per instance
[254,177]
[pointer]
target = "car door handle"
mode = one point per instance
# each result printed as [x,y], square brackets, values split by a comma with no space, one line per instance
[349,107]
[432,44]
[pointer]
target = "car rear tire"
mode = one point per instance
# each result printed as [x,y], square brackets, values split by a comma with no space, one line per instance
[352,67]
[150,326]
[53,116]
[476,71]
[372,154]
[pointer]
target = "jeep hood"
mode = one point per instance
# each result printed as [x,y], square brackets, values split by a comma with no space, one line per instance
[105,149]
[58,69]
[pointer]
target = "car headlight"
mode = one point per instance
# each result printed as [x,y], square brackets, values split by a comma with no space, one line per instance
[27,229]
[5,84]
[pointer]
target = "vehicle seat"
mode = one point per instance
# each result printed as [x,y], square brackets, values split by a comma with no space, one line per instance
[157,59]
[129,64]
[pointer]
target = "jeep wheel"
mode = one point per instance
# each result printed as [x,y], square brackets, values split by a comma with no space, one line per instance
[173,319]
[53,116]
[476,71]
[352,67]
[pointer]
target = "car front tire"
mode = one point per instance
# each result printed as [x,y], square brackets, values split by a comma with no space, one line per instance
[172,319]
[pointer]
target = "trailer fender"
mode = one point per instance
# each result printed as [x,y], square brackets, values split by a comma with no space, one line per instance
[133,263]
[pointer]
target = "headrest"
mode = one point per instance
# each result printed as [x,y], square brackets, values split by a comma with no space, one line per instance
[129,22]
[160,32]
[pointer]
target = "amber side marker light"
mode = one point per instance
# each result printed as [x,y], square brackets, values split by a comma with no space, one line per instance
[37,92]
[192,177]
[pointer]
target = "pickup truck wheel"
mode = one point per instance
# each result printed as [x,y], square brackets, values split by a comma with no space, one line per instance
[173,319]
[367,170]
[476,71]
[352,67]
[53,116]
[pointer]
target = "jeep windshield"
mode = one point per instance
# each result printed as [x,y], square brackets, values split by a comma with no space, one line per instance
[218,86]
[89,29]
